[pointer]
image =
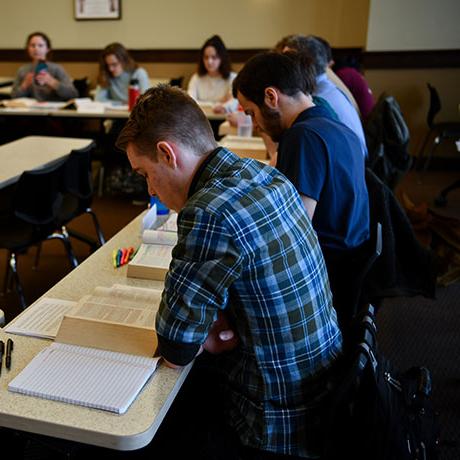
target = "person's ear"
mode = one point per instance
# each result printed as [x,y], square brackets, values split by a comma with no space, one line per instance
[271,97]
[166,153]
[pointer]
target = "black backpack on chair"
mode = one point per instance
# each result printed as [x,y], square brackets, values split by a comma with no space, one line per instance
[374,412]
[387,139]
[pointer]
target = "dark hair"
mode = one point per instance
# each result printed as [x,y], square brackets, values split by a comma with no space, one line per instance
[327,48]
[290,72]
[42,35]
[308,45]
[167,113]
[122,54]
[225,65]
[39,34]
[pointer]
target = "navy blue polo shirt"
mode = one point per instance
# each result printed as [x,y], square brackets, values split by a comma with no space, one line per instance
[323,159]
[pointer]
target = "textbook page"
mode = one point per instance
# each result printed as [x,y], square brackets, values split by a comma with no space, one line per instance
[171,224]
[159,237]
[89,377]
[151,261]
[42,319]
[120,304]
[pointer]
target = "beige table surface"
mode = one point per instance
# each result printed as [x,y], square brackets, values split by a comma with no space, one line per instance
[129,431]
[246,147]
[33,152]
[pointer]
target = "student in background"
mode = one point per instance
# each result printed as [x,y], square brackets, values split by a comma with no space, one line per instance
[319,155]
[213,80]
[116,69]
[333,76]
[349,71]
[41,79]
[247,256]
[325,88]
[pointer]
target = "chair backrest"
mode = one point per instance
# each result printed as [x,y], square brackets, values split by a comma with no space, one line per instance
[38,196]
[82,86]
[177,81]
[77,177]
[435,105]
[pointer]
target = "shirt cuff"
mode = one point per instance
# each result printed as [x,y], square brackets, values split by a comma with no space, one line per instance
[177,353]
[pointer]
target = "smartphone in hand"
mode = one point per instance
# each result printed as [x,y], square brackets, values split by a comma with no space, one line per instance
[42,65]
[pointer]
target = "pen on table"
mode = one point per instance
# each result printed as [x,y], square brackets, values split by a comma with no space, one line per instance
[114,258]
[9,349]
[2,350]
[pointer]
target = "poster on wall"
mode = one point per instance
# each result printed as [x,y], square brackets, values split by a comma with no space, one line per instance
[97,9]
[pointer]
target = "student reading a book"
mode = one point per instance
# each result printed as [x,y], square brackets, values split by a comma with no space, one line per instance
[42,79]
[246,256]
[212,83]
[116,69]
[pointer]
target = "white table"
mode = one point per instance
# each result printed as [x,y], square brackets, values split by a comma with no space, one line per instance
[129,431]
[33,152]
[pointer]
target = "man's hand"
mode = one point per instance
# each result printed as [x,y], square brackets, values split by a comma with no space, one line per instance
[221,337]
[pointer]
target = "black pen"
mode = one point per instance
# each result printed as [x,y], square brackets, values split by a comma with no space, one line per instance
[2,350]
[9,349]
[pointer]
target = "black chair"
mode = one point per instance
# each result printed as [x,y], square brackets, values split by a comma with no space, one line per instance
[177,81]
[438,132]
[82,86]
[348,273]
[31,219]
[77,191]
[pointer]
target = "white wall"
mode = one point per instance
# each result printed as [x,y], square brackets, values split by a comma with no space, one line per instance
[397,25]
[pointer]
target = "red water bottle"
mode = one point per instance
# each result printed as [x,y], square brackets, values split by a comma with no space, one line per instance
[133,92]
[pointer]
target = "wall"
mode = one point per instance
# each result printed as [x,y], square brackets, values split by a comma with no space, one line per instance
[413,25]
[417,25]
[186,24]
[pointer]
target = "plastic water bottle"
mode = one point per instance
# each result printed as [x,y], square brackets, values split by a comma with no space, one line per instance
[244,125]
[161,207]
[133,93]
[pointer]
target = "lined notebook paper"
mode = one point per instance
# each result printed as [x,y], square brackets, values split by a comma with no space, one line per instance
[88,377]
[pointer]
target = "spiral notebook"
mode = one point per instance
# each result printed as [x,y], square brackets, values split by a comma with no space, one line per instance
[90,377]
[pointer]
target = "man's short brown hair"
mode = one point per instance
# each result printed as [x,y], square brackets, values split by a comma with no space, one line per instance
[167,113]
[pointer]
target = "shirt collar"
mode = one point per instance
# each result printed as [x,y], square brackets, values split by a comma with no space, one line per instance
[207,169]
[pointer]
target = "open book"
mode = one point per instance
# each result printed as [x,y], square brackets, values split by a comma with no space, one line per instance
[30,103]
[102,356]
[153,256]
[119,303]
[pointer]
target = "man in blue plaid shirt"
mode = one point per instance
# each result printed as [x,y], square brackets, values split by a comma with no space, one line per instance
[247,257]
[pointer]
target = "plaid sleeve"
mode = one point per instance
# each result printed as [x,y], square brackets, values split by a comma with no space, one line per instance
[205,264]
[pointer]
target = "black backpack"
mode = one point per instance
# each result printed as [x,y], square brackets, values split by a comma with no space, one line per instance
[374,412]
[387,139]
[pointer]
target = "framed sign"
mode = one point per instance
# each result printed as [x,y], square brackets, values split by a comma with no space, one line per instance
[97,9]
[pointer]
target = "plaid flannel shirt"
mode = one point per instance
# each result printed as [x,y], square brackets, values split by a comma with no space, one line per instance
[246,247]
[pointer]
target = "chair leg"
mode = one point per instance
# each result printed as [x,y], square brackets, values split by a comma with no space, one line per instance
[19,290]
[64,237]
[100,235]
[37,256]
[7,279]
[441,199]
[420,159]
[100,187]
[437,141]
